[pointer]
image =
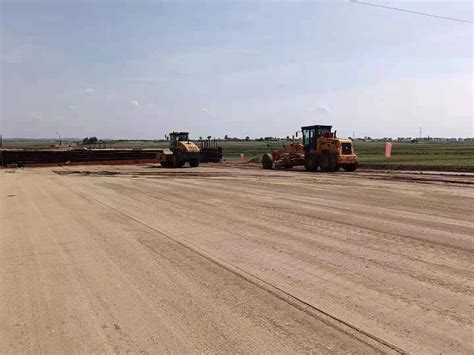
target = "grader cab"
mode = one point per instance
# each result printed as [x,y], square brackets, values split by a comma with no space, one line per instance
[324,150]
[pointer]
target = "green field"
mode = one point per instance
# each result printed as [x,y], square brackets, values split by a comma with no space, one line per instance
[449,156]
[452,156]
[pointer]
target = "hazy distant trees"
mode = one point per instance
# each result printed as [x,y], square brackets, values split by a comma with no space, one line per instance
[90,140]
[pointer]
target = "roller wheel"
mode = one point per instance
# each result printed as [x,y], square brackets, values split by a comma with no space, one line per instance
[267,161]
[178,163]
[194,163]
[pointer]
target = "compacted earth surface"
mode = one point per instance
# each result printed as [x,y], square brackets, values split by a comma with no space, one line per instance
[233,258]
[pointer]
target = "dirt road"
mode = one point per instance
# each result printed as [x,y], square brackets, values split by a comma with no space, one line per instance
[116,259]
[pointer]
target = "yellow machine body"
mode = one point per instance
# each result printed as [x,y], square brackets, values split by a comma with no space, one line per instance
[187,146]
[342,149]
[180,152]
[320,149]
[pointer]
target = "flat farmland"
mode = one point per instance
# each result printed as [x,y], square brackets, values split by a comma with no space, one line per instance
[424,155]
[435,156]
[231,258]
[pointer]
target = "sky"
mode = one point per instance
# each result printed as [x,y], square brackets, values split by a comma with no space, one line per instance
[139,69]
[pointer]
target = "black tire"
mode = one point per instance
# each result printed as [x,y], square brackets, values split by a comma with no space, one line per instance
[194,163]
[178,163]
[167,164]
[327,163]
[311,164]
[267,161]
[350,167]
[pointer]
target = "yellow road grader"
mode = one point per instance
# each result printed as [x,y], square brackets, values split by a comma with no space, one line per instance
[320,149]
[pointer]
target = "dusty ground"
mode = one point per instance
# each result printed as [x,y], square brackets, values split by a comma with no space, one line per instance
[222,259]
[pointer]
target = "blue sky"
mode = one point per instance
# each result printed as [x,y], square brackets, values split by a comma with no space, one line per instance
[138,69]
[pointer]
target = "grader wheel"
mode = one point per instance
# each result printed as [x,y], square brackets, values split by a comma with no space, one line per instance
[267,161]
[327,163]
[311,164]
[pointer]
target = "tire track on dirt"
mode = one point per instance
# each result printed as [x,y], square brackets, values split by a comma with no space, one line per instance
[179,197]
[394,270]
[271,288]
[351,212]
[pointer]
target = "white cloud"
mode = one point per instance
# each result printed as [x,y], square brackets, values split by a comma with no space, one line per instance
[134,103]
[89,91]
[320,110]
[210,114]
